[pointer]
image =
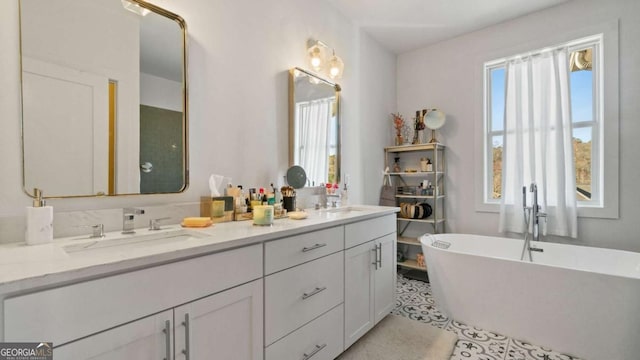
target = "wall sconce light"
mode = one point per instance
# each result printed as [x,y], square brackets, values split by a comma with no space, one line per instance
[317,52]
[135,8]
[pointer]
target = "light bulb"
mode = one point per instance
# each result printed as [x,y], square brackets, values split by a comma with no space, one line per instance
[316,62]
[336,67]
[334,71]
[317,56]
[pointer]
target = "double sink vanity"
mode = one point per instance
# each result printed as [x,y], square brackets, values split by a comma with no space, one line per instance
[299,289]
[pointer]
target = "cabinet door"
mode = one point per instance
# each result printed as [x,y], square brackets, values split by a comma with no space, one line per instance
[227,325]
[147,338]
[359,291]
[385,277]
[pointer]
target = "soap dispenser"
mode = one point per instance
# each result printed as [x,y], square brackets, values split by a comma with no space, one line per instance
[39,221]
[344,201]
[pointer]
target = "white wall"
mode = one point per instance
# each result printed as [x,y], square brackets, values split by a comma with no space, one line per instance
[239,55]
[377,102]
[448,75]
[161,93]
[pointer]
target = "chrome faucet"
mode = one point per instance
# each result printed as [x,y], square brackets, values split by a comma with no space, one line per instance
[128,216]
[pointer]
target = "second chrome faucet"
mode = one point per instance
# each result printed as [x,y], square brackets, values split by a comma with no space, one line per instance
[128,217]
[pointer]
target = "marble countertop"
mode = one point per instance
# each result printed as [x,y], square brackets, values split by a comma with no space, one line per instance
[25,267]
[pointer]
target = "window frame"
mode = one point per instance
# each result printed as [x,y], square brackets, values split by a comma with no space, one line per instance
[597,125]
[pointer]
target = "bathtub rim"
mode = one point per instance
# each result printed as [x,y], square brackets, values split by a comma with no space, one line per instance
[432,248]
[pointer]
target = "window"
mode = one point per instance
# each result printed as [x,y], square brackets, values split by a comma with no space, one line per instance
[586,108]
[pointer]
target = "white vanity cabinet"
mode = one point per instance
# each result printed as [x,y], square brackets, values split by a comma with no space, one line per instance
[147,338]
[304,293]
[308,295]
[228,324]
[219,296]
[370,275]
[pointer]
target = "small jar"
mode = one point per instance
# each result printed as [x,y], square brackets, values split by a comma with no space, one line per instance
[424,165]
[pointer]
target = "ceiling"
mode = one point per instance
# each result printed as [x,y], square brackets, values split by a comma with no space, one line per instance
[405,25]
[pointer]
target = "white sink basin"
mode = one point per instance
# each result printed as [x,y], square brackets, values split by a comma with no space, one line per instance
[346,209]
[121,242]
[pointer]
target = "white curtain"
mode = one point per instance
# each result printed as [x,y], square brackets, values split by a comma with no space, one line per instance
[315,119]
[538,143]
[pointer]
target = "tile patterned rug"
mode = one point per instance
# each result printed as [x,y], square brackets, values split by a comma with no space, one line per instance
[414,301]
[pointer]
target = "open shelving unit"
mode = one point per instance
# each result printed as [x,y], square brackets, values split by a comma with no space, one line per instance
[408,228]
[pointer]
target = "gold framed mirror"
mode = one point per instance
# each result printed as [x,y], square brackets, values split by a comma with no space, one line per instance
[104,98]
[314,126]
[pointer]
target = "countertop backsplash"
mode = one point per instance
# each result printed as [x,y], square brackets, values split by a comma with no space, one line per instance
[71,223]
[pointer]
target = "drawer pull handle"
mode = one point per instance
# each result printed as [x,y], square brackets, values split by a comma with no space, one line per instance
[167,335]
[315,351]
[186,351]
[316,246]
[380,256]
[314,292]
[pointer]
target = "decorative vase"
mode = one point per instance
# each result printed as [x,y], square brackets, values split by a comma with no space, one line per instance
[399,140]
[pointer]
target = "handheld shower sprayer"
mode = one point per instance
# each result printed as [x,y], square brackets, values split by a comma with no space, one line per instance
[532,217]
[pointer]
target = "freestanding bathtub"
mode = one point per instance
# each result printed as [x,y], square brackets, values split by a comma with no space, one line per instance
[577,300]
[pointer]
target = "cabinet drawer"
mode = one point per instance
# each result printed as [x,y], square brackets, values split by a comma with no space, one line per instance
[363,231]
[322,336]
[73,311]
[296,296]
[285,253]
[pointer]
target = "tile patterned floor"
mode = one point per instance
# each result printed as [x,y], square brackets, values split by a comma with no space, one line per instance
[414,301]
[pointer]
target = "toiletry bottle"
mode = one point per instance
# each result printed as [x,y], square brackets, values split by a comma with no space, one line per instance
[344,201]
[240,205]
[271,196]
[429,165]
[39,221]
[262,197]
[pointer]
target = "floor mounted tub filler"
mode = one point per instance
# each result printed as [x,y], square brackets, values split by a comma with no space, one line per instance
[578,300]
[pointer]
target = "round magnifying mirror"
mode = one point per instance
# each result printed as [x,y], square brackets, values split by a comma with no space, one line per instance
[296,177]
[434,119]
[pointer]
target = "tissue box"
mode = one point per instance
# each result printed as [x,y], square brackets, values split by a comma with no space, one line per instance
[205,208]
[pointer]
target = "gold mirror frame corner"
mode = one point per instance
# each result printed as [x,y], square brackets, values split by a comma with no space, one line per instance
[185,100]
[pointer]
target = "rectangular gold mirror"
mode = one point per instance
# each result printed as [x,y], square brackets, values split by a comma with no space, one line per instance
[314,126]
[104,98]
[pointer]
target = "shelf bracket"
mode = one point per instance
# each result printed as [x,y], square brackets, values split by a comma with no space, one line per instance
[404,229]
